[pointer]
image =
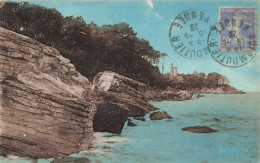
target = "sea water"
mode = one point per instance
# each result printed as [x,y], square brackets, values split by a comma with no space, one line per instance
[237,139]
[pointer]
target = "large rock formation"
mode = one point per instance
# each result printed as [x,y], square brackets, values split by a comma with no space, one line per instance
[121,97]
[110,116]
[45,104]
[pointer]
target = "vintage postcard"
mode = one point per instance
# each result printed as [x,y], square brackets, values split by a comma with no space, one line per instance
[129,81]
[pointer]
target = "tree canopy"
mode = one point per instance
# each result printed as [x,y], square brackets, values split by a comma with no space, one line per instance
[90,48]
[196,80]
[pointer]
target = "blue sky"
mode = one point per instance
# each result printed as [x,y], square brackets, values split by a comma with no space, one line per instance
[152,20]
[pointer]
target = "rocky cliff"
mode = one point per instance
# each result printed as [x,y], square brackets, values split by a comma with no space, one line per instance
[120,97]
[45,104]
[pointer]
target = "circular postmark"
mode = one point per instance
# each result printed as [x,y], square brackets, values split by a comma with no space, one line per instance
[231,59]
[188,34]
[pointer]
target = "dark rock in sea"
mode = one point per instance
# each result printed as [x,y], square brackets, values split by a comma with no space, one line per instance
[131,124]
[107,147]
[46,105]
[214,120]
[140,118]
[159,115]
[199,129]
[127,98]
[71,160]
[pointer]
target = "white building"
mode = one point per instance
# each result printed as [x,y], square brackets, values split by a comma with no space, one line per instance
[174,72]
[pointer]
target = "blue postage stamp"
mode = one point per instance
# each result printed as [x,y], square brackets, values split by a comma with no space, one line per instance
[238,29]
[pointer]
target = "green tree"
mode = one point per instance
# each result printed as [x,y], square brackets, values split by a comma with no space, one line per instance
[90,48]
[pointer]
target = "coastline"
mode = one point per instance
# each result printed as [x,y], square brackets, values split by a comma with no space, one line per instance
[135,135]
[104,144]
[102,106]
[81,87]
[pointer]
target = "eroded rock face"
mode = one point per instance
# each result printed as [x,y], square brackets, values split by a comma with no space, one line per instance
[159,115]
[45,104]
[113,82]
[117,89]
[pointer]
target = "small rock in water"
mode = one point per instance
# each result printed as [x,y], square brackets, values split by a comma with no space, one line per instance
[214,120]
[107,147]
[71,159]
[131,124]
[111,142]
[159,115]
[140,118]
[199,129]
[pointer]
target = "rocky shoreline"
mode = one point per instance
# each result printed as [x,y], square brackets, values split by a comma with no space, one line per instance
[49,110]
[168,94]
[221,89]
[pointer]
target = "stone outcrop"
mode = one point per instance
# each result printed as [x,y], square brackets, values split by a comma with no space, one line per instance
[199,129]
[110,116]
[159,115]
[169,94]
[45,104]
[222,89]
[122,97]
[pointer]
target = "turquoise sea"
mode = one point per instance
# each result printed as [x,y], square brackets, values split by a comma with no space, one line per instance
[237,139]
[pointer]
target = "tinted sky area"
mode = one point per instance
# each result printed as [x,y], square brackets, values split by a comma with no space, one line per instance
[152,20]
